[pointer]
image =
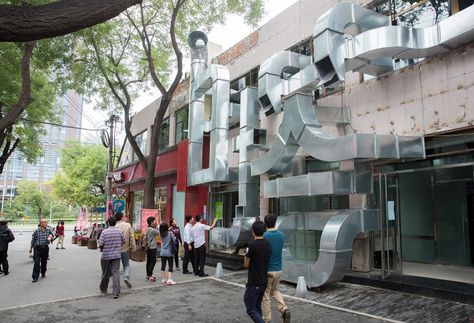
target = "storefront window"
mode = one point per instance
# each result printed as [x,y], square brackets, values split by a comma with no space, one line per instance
[164,135]
[181,125]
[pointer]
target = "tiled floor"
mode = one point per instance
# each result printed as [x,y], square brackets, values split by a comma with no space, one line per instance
[384,303]
[455,273]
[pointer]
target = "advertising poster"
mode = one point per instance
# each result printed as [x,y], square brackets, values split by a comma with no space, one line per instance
[219,210]
[145,213]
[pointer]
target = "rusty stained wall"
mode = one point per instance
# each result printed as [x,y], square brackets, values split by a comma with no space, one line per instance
[432,96]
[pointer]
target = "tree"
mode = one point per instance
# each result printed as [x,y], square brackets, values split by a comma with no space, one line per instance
[143,45]
[36,20]
[81,178]
[30,202]
[413,12]
[39,19]
[29,86]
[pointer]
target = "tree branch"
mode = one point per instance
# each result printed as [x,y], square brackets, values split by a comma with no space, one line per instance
[179,55]
[25,97]
[20,23]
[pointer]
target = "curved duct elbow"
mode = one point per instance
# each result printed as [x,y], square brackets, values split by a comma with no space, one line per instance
[197,41]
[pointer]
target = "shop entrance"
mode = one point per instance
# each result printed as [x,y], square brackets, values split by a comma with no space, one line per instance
[428,222]
[224,203]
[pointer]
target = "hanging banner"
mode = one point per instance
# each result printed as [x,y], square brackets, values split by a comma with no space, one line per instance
[145,214]
[219,210]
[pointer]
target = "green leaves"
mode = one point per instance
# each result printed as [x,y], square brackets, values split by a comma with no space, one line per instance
[49,79]
[82,176]
[30,202]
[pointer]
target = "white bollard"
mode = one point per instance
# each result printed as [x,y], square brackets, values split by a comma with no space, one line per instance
[301,290]
[219,271]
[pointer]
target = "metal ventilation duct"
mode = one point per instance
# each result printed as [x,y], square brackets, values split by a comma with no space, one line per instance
[213,79]
[339,228]
[349,37]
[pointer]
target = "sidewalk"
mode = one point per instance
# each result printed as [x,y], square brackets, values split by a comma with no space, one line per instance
[70,293]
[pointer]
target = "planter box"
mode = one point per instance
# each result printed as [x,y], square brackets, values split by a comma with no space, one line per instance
[74,239]
[138,255]
[82,243]
[92,244]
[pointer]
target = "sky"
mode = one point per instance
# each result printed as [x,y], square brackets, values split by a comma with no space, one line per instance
[226,35]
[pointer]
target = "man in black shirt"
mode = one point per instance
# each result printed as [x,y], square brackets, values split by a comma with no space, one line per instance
[6,236]
[256,260]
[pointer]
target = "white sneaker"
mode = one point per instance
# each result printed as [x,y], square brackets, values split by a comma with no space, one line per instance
[170,282]
[163,282]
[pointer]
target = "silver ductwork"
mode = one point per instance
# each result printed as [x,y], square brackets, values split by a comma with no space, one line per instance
[339,228]
[237,235]
[300,128]
[348,37]
[207,82]
[357,181]
[247,210]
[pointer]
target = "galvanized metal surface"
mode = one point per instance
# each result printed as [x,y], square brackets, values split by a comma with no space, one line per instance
[215,80]
[339,228]
[348,37]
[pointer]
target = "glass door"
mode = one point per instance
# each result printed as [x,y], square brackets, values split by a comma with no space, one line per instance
[453,191]
[390,225]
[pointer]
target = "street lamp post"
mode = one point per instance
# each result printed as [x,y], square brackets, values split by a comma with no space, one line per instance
[109,143]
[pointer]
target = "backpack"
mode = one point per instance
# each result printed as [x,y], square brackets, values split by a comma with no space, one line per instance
[145,241]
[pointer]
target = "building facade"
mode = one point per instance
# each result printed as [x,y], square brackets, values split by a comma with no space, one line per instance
[45,167]
[354,129]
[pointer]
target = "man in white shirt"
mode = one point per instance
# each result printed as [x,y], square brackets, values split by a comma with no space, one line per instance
[198,233]
[188,246]
[127,246]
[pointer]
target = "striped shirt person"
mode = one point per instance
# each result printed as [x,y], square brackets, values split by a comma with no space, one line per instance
[110,243]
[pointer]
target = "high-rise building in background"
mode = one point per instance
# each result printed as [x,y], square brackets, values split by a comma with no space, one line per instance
[44,168]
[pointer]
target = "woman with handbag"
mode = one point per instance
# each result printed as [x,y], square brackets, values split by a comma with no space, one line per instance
[177,235]
[168,246]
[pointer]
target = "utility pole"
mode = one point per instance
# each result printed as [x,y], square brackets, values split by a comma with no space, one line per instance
[109,142]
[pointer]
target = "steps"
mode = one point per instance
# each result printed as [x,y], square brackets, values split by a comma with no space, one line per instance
[229,262]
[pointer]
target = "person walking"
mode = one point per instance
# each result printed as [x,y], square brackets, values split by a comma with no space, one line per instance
[166,253]
[110,243]
[40,241]
[276,240]
[188,246]
[198,233]
[60,233]
[256,260]
[150,235]
[6,236]
[177,235]
[127,247]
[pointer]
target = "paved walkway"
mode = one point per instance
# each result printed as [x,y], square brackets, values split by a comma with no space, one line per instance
[70,293]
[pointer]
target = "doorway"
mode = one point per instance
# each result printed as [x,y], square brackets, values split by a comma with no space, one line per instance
[427,222]
[178,207]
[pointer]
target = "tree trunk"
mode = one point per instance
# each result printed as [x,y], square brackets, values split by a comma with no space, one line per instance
[149,190]
[20,23]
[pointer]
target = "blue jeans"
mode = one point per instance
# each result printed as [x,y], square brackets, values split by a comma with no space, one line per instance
[126,264]
[253,302]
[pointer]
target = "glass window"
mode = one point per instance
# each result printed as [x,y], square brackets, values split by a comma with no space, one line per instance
[414,14]
[181,125]
[164,135]
[141,140]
